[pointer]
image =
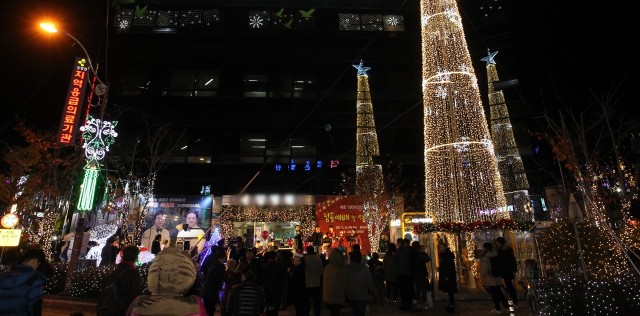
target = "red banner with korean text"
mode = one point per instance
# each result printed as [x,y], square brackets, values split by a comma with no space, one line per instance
[73,102]
[343,213]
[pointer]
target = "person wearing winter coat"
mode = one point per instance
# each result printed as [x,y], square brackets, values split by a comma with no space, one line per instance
[402,267]
[447,279]
[492,283]
[334,282]
[127,281]
[213,282]
[313,276]
[390,279]
[420,274]
[359,284]
[21,288]
[508,266]
[274,276]
[171,276]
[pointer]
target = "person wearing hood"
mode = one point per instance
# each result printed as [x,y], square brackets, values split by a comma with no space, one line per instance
[171,276]
[359,284]
[491,282]
[21,288]
[334,278]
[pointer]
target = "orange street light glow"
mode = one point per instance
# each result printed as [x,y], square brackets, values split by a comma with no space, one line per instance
[49,27]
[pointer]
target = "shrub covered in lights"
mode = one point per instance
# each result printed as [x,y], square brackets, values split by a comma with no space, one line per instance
[88,283]
[575,296]
[55,283]
[603,258]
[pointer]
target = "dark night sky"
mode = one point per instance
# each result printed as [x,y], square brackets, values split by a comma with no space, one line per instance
[564,52]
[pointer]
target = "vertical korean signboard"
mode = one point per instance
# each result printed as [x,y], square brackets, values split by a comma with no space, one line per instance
[73,102]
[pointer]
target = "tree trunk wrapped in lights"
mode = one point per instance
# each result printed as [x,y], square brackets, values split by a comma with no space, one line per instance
[462,183]
[514,178]
[376,206]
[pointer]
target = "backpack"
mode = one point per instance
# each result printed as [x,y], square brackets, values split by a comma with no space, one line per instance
[495,269]
[110,302]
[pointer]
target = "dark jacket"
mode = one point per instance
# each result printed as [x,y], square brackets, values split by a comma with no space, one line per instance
[108,255]
[507,262]
[212,285]
[419,262]
[246,299]
[447,279]
[128,283]
[273,281]
[21,291]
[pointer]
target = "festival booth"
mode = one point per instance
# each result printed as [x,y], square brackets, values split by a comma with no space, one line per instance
[266,221]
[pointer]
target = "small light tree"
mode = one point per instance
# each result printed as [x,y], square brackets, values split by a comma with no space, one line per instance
[39,178]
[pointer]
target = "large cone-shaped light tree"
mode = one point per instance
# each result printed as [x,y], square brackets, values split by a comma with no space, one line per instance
[369,177]
[514,178]
[462,182]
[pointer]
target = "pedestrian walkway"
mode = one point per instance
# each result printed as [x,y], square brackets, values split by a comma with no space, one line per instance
[467,304]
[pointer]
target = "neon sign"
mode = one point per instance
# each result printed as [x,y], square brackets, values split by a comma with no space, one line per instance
[73,102]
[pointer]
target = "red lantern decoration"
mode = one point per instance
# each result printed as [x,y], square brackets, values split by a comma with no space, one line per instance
[265,234]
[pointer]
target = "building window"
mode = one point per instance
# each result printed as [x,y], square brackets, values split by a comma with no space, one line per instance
[133,82]
[349,21]
[393,23]
[164,20]
[255,86]
[252,148]
[194,83]
[370,22]
[303,86]
[206,83]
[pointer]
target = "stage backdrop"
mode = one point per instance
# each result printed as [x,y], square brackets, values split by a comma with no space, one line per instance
[176,207]
[344,213]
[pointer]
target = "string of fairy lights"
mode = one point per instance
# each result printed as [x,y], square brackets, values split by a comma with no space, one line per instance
[462,181]
[369,177]
[513,176]
[303,214]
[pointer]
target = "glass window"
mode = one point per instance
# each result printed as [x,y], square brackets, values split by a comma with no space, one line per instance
[255,85]
[393,23]
[182,82]
[371,22]
[349,21]
[206,83]
[134,82]
[303,86]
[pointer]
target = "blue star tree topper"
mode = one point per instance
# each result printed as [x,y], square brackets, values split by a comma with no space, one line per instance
[489,59]
[362,70]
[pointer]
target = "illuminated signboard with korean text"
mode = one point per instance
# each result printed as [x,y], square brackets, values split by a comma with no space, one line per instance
[73,102]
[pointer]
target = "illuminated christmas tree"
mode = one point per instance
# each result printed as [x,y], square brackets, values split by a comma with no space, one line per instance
[369,177]
[462,183]
[514,178]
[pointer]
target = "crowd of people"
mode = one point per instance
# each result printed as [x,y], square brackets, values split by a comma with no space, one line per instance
[307,281]
[239,281]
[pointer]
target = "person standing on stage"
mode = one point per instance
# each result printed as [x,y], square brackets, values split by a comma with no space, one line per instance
[316,239]
[330,234]
[298,246]
[158,228]
[355,238]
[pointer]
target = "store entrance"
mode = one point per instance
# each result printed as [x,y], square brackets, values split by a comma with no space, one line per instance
[279,234]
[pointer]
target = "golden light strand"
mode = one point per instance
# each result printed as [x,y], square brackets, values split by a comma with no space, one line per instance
[462,183]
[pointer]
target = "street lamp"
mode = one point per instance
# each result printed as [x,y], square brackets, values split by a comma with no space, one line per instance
[51,28]
[97,135]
